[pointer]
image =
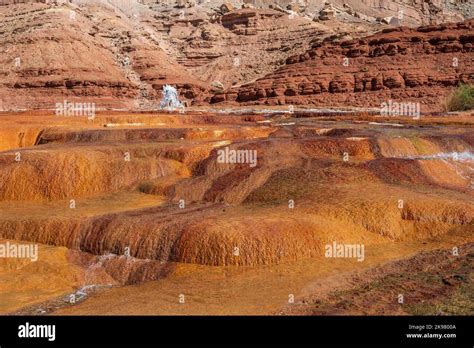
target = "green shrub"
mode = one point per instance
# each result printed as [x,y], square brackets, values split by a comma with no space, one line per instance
[462,98]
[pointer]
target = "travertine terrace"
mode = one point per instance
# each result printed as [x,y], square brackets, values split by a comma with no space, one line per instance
[300,128]
[150,194]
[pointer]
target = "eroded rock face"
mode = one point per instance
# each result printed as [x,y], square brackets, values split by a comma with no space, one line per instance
[405,64]
[53,52]
[248,21]
[119,54]
[236,47]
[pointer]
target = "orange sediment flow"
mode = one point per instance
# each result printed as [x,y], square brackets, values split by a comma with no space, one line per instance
[260,290]
[209,233]
[330,174]
[24,283]
[159,192]
[87,207]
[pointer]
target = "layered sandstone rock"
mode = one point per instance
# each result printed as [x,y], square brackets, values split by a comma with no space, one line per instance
[403,64]
[120,53]
[236,47]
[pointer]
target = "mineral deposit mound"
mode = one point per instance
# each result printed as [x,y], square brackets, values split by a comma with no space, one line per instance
[237,154]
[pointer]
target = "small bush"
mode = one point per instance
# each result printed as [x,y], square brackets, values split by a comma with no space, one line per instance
[462,98]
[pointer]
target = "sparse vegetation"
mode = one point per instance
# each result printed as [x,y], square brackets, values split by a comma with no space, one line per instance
[461,99]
